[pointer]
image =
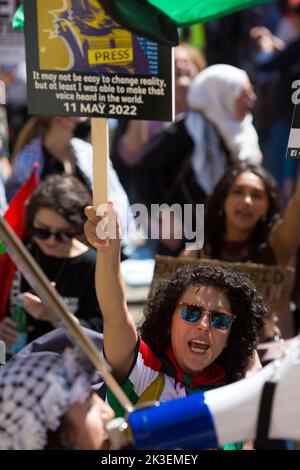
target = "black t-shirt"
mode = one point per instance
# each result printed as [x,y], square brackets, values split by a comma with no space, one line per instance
[75,282]
[164,174]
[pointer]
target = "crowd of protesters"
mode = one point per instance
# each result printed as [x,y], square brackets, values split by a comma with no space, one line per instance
[226,150]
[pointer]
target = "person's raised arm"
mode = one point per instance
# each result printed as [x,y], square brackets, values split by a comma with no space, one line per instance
[285,235]
[265,40]
[119,331]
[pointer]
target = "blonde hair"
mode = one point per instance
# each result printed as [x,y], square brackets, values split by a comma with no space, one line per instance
[196,55]
[36,126]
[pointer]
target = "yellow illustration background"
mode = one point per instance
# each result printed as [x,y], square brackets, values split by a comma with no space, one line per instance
[53,51]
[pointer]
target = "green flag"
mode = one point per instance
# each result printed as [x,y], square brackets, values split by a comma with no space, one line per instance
[159,19]
[187,12]
[18,18]
[138,14]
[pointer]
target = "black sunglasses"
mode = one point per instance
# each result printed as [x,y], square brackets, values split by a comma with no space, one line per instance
[45,233]
[218,320]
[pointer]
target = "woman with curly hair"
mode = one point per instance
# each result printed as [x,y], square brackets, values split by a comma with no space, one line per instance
[201,326]
[243,222]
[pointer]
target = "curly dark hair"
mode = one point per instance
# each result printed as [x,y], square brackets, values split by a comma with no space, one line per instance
[215,216]
[246,303]
[65,195]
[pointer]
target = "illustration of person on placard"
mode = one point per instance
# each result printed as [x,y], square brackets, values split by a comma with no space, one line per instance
[92,41]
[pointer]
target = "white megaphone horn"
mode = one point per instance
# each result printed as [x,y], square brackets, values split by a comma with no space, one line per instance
[235,407]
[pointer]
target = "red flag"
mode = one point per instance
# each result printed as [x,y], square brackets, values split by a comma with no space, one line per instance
[15,216]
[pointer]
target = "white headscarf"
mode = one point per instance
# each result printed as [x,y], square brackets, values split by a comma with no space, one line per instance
[214,92]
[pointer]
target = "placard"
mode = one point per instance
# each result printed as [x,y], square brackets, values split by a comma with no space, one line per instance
[81,62]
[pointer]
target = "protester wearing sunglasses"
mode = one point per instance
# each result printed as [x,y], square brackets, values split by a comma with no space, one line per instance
[60,236]
[200,331]
[54,221]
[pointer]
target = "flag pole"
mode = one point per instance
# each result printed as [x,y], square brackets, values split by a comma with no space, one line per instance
[41,284]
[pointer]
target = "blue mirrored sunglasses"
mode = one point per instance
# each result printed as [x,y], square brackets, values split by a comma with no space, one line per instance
[217,319]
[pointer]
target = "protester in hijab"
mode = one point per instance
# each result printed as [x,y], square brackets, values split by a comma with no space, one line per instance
[219,122]
[184,162]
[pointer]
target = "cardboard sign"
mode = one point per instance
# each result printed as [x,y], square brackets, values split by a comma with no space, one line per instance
[80,62]
[273,282]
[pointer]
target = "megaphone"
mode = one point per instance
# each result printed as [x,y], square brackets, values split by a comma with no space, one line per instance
[220,416]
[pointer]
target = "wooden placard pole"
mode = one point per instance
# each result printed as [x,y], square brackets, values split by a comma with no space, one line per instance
[100,144]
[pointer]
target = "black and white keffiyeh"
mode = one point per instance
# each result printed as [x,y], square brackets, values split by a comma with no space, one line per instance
[35,393]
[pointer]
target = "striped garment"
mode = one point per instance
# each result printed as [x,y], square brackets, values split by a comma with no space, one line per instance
[147,381]
[147,370]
